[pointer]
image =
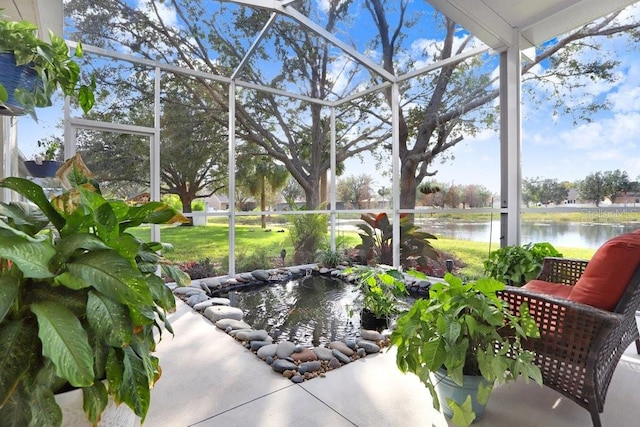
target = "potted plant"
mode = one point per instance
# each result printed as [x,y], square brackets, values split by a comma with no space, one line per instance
[198,206]
[462,334]
[79,299]
[32,70]
[380,287]
[516,265]
[44,165]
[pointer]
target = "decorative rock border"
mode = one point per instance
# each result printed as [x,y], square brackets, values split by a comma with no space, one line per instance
[293,361]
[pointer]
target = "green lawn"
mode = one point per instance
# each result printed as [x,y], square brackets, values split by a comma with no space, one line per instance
[475,253]
[212,241]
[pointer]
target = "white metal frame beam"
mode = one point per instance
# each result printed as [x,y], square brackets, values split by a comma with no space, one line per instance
[510,144]
[283,8]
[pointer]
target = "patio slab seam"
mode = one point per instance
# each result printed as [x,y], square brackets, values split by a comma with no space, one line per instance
[326,404]
[242,404]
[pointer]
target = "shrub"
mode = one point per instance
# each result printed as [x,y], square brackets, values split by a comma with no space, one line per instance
[307,233]
[377,241]
[330,259]
[259,259]
[516,265]
[199,269]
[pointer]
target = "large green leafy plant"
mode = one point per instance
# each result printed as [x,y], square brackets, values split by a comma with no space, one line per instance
[79,299]
[516,265]
[51,63]
[466,329]
[380,287]
[377,241]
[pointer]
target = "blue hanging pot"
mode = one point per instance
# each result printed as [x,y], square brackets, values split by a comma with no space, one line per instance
[13,77]
[42,169]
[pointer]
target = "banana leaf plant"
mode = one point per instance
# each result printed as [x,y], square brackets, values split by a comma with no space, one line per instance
[377,241]
[80,299]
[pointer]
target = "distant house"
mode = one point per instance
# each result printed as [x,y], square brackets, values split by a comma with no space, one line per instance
[627,199]
[572,196]
[217,202]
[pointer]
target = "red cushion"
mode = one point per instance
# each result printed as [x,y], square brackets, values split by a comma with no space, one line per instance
[556,289]
[608,273]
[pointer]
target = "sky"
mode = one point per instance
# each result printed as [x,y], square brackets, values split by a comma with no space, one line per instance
[552,146]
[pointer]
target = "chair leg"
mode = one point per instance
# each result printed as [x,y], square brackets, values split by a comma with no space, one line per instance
[595,418]
[638,345]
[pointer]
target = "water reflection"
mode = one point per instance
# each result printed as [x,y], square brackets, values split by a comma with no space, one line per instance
[568,234]
[312,311]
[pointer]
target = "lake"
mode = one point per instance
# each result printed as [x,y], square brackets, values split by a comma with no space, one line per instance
[567,234]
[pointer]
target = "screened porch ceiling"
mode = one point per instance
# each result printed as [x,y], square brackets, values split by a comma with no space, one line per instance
[496,23]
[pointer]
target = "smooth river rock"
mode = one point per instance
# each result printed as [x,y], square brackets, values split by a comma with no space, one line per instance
[285,349]
[311,366]
[323,353]
[195,299]
[342,347]
[283,365]
[212,283]
[369,346]
[252,335]
[234,324]
[341,356]
[371,335]
[257,345]
[304,356]
[267,351]
[217,312]
[334,363]
[260,275]
[187,291]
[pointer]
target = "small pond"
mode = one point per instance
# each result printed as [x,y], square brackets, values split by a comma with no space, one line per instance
[312,310]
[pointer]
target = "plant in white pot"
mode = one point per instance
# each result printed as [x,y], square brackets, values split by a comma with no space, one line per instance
[33,70]
[465,333]
[79,299]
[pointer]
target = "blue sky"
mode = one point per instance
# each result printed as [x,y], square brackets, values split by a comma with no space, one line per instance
[552,147]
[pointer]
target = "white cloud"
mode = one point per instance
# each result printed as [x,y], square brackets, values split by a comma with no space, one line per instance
[604,138]
[606,154]
[632,166]
[166,14]
[583,137]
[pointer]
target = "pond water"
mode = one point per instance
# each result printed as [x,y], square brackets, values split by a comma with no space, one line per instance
[567,234]
[310,311]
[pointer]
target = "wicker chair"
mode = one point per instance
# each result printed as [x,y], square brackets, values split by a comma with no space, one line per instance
[580,345]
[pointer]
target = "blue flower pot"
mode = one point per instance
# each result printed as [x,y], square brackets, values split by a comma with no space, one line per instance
[46,169]
[13,77]
[446,388]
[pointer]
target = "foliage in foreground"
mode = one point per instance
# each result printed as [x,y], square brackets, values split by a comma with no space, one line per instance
[466,329]
[79,299]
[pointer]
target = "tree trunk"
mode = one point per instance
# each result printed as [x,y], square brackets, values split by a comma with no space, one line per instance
[408,185]
[323,188]
[262,204]
[312,197]
[186,200]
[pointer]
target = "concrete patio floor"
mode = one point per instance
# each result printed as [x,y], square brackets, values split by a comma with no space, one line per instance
[208,379]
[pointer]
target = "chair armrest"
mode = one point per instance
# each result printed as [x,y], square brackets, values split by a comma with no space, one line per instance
[566,327]
[562,270]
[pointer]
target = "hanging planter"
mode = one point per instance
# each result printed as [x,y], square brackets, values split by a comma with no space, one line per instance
[14,76]
[42,168]
[51,62]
